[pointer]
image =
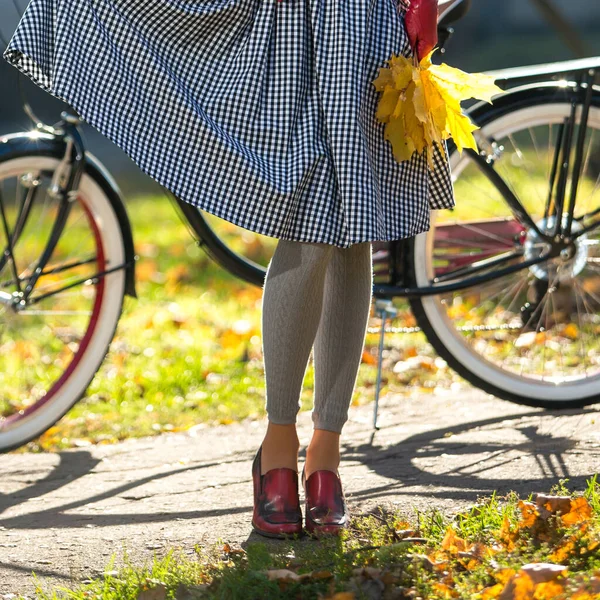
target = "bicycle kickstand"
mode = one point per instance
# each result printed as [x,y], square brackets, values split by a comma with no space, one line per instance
[383,308]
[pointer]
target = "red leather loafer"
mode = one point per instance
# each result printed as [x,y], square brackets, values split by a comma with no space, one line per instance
[326,509]
[277,510]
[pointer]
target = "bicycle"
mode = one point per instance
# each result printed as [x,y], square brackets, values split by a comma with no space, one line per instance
[484,283]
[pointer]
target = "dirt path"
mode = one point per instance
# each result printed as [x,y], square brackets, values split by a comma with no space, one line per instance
[63,515]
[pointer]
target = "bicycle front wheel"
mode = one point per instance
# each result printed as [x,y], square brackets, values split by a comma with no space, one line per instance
[51,347]
[532,336]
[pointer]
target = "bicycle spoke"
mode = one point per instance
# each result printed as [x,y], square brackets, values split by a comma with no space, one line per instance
[523,323]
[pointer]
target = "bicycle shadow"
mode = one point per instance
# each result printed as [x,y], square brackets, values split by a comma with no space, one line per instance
[462,461]
[468,475]
[71,467]
[75,465]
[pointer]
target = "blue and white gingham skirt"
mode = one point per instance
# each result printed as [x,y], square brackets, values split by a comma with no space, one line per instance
[257,111]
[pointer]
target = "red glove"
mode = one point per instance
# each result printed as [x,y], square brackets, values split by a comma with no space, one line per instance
[421,24]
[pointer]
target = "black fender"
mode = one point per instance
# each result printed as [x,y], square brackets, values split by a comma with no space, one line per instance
[36,143]
[540,93]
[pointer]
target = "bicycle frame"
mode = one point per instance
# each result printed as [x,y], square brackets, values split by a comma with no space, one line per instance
[65,137]
[584,78]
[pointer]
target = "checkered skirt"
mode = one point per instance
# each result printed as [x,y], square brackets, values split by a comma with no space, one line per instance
[258,111]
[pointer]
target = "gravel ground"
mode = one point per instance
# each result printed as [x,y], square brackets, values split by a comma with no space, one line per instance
[63,515]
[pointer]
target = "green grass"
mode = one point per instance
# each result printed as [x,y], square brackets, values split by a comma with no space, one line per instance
[477,554]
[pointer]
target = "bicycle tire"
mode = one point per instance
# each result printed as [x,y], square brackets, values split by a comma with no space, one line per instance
[435,325]
[68,389]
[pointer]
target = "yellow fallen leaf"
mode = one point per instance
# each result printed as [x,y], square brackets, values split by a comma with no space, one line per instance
[548,591]
[504,575]
[444,591]
[563,551]
[581,510]
[452,543]
[520,587]
[491,593]
[571,331]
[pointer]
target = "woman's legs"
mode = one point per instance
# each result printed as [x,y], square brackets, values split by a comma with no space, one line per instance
[338,350]
[314,294]
[291,309]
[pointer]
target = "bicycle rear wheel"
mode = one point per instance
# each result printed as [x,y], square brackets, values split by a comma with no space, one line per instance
[531,337]
[51,348]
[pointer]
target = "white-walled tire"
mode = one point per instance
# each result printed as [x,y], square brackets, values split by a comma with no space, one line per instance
[554,364]
[74,327]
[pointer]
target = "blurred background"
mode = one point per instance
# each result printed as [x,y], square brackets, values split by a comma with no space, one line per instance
[495,34]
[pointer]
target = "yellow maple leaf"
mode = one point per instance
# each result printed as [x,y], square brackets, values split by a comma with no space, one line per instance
[581,510]
[459,84]
[384,79]
[402,71]
[402,147]
[414,127]
[421,105]
[461,128]
[436,103]
[398,109]
[388,102]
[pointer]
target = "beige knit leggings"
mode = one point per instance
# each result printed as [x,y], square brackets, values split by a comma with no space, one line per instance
[315,294]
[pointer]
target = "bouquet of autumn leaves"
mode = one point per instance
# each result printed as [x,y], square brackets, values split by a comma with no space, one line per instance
[420,105]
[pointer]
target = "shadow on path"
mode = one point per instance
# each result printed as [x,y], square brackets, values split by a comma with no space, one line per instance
[462,461]
[458,462]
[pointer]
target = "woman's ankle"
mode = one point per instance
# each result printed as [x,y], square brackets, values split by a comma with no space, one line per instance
[280,447]
[323,452]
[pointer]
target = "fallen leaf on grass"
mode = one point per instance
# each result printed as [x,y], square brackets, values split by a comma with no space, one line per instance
[548,591]
[520,587]
[554,504]
[580,510]
[159,592]
[564,550]
[453,544]
[571,331]
[146,270]
[491,593]
[283,575]
[368,358]
[532,582]
[529,513]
